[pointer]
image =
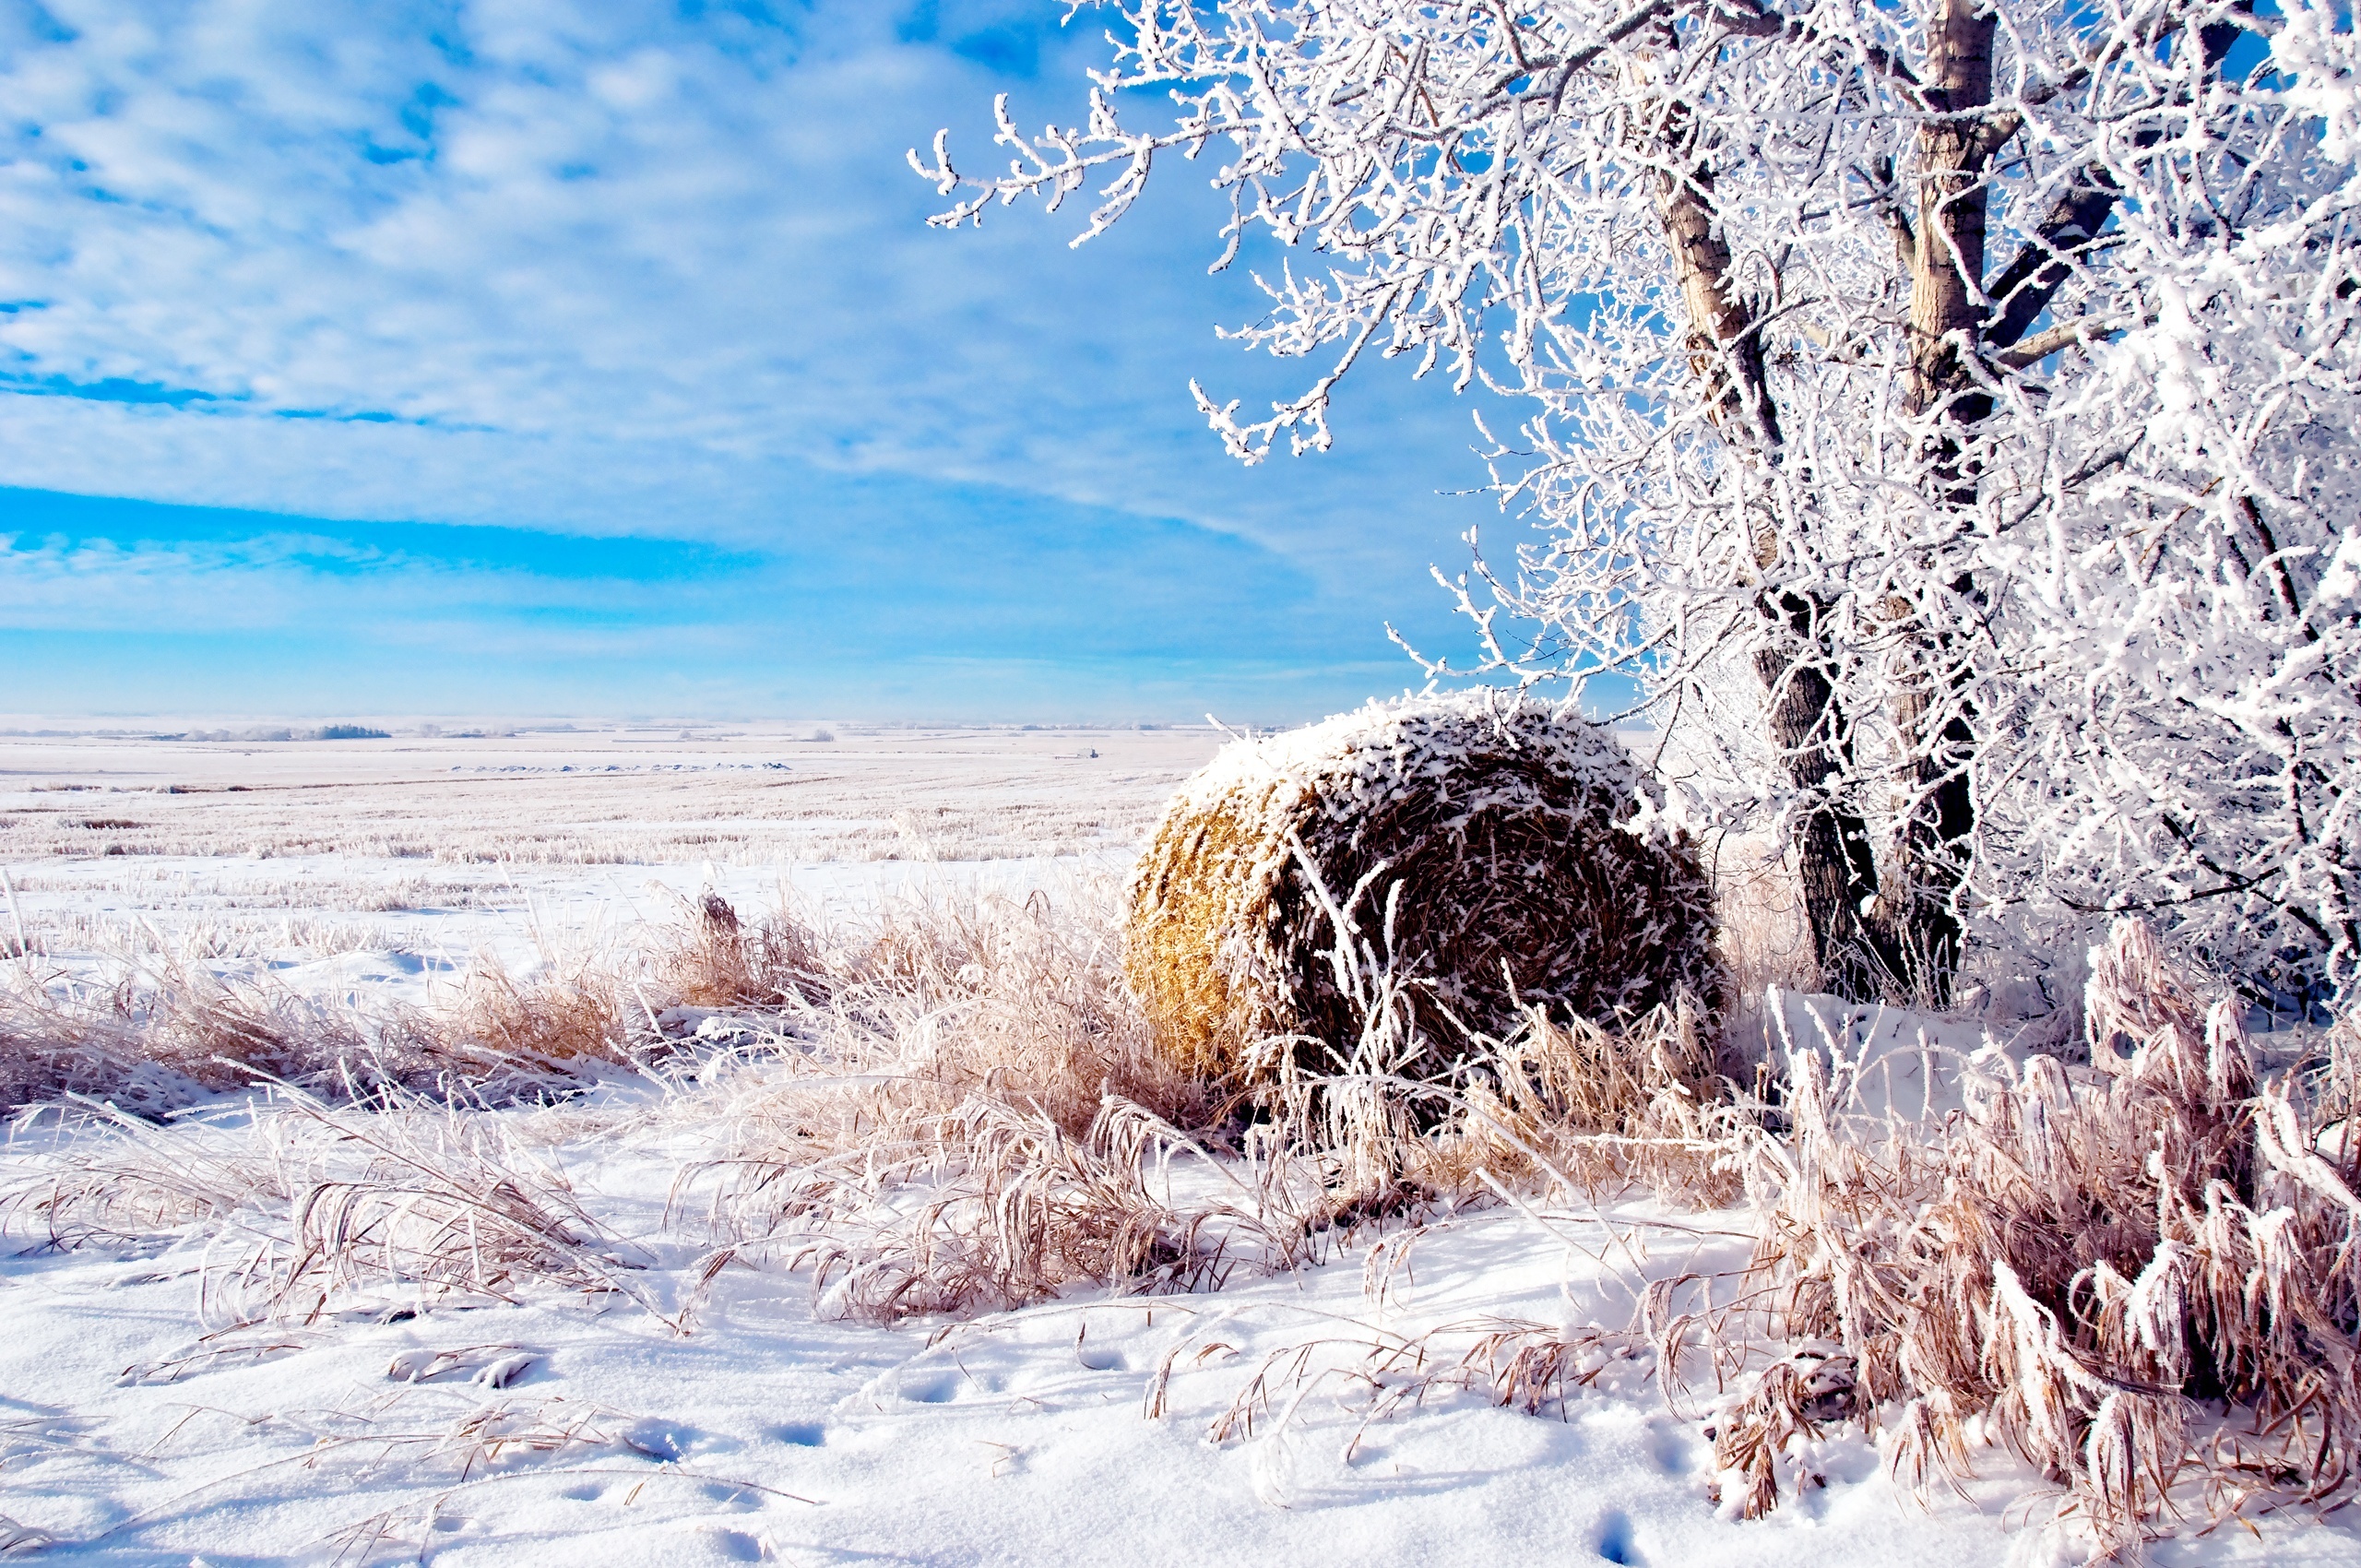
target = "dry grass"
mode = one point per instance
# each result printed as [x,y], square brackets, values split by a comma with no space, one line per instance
[961,1089]
[1009,1209]
[155,1042]
[2090,1267]
[2141,1278]
[714,960]
[212,935]
[553,1022]
[1378,1373]
[962,1106]
[430,1206]
[1575,1108]
[393,1205]
[1765,939]
[169,1029]
[957,1106]
[171,1032]
[21,1541]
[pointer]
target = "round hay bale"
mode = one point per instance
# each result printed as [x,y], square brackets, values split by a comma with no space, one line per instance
[1496,815]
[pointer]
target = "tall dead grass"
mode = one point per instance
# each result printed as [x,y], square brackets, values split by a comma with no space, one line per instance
[1005,1208]
[961,1104]
[2143,1278]
[171,1033]
[1580,1108]
[949,1106]
[1765,936]
[387,1204]
[712,958]
[957,1104]
[155,1042]
[169,1030]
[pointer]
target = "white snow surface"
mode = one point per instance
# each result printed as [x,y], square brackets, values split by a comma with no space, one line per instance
[767,1435]
[362,870]
[134,1431]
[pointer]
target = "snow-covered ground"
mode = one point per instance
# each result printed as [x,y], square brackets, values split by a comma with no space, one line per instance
[375,866]
[571,1430]
[1026,1436]
[723,1419]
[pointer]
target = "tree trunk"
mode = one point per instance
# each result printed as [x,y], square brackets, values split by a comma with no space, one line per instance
[1835,859]
[1916,914]
[1888,923]
[1834,853]
[1894,933]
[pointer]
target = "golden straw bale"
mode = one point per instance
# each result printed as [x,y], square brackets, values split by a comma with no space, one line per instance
[1497,816]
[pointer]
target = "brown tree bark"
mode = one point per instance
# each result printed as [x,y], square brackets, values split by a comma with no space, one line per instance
[1915,917]
[1836,858]
[1893,930]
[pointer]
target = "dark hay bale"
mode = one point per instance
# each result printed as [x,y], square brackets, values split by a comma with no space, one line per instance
[1497,819]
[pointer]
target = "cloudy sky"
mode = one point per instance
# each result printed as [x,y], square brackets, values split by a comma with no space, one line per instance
[577,357]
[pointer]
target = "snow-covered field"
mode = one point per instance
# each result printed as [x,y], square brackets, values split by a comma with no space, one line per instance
[1020,1437]
[376,865]
[709,1406]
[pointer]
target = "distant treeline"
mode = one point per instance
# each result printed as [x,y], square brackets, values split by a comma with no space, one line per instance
[324,732]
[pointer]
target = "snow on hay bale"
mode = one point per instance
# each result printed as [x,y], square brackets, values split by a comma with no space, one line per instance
[1498,818]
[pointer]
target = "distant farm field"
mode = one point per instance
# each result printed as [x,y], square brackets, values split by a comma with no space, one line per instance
[324,865]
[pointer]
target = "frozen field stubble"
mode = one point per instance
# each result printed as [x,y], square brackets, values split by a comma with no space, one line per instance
[372,866]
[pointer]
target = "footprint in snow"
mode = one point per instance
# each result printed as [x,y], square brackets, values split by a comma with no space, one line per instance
[1615,1540]
[1669,1447]
[658,1440]
[940,1389]
[735,1546]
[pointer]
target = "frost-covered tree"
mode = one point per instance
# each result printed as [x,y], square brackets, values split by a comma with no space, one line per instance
[1945,408]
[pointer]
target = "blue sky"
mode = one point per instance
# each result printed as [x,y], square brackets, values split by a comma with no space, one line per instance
[548,356]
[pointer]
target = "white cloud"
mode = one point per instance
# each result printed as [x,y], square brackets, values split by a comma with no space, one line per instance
[271,583]
[613,269]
